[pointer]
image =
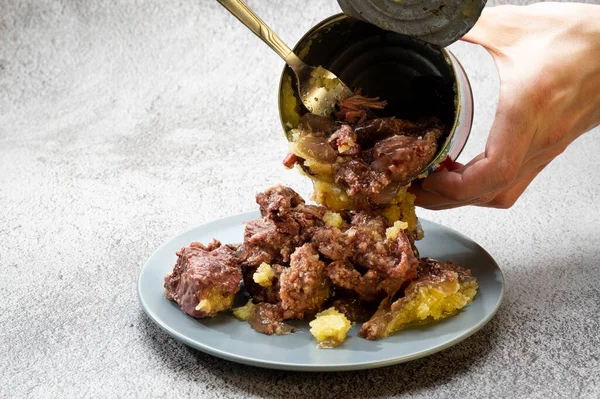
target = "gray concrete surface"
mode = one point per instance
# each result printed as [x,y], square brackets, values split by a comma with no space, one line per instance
[124,123]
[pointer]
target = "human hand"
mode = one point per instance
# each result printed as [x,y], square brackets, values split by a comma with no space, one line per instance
[548,60]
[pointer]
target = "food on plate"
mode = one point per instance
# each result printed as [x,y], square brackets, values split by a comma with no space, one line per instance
[357,160]
[263,317]
[329,328]
[264,275]
[438,292]
[351,259]
[305,262]
[205,279]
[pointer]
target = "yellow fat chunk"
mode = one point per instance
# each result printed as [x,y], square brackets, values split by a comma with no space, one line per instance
[264,275]
[290,106]
[322,81]
[330,195]
[392,232]
[244,312]
[432,301]
[402,208]
[333,219]
[213,301]
[377,236]
[343,148]
[330,328]
[295,134]
[324,171]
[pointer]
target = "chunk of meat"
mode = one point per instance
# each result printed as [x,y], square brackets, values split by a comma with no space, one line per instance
[263,242]
[374,130]
[441,290]
[316,148]
[394,258]
[353,109]
[290,160]
[205,279]
[402,158]
[332,243]
[345,140]
[259,293]
[373,223]
[267,318]
[387,263]
[308,216]
[343,274]
[355,309]
[360,180]
[287,223]
[304,285]
[278,201]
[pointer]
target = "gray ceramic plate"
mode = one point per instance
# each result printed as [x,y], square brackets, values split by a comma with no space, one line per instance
[231,339]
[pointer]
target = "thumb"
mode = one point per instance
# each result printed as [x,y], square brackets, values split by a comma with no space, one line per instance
[481,31]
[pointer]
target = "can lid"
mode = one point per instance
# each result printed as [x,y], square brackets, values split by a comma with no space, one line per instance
[441,22]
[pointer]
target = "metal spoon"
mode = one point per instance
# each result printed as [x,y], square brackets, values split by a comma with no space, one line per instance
[319,89]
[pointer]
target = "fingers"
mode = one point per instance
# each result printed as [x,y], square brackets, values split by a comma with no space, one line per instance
[435,202]
[504,199]
[478,33]
[449,167]
[432,200]
[531,168]
[496,27]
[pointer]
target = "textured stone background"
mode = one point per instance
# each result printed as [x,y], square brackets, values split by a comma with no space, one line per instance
[124,123]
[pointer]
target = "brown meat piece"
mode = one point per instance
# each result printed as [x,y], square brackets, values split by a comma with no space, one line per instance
[287,210]
[360,180]
[264,243]
[374,130]
[332,243]
[205,279]
[353,109]
[308,216]
[345,140]
[431,273]
[374,224]
[267,318]
[290,160]
[257,292]
[343,274]
[394,258]
[388,263]
[287,223]
[278,201]
[304,286]
[402,158]
[355,309]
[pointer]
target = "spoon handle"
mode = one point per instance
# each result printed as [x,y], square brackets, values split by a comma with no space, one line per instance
[246,16]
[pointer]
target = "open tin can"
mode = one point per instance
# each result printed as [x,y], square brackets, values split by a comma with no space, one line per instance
[415,77]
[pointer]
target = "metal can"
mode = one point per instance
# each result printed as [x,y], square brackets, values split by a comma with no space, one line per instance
[415,77]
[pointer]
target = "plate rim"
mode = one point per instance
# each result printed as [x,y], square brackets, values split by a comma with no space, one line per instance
[310,367]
